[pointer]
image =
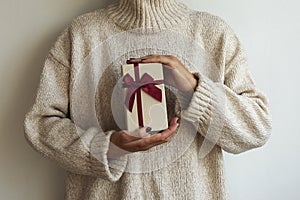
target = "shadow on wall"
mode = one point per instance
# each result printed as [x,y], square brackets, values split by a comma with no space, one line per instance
[24,173]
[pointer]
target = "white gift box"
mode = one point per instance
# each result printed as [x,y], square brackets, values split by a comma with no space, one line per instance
[144,96]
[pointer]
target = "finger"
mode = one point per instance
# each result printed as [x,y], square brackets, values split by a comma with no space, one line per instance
[147,143]
[136,135]
[171,129]
[174,120]
[166,60]
[139,59]
[139,133]
[142,143]
[133,60]
[130,136]
[155,139]
[164,137]
[154,58]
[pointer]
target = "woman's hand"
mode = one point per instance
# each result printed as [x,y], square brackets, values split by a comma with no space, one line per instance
[175,73]
[139,140]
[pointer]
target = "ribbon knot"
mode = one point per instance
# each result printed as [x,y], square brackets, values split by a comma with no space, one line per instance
[146,83]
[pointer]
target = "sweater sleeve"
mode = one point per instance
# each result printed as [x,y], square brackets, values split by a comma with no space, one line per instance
[233,114]
[50,130]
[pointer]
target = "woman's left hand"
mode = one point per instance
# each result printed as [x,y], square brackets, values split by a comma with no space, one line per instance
[175,73]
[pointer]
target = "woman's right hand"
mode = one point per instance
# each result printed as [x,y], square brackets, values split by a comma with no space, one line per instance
[124,142]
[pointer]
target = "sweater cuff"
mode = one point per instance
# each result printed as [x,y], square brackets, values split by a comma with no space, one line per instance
[198,106]
[109,168]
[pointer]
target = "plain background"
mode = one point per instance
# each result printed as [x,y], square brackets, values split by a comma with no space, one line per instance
[269,31]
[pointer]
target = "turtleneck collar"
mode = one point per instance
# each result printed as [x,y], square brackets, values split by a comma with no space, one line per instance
[143,14]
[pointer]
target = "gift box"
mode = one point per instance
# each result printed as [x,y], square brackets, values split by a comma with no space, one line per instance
[144,96]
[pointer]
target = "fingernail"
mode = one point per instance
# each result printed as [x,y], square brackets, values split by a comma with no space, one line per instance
[148,129]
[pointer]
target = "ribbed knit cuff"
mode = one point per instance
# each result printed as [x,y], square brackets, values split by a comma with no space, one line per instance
[197,107]
[108,168]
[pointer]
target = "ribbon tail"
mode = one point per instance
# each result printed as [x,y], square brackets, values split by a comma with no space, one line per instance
[153,91]
[129,100]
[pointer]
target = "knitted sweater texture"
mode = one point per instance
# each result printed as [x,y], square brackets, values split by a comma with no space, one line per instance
[81,149]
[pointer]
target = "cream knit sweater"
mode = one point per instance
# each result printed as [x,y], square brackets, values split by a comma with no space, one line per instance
[50,126]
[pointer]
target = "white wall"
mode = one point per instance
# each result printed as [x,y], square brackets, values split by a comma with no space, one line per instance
[269,31]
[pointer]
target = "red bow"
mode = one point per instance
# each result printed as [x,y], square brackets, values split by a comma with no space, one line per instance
[146,83]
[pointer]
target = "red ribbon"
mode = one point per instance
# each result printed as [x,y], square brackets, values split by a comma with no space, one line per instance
[147,84]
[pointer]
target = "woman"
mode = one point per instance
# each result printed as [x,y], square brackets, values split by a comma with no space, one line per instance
[97,168]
